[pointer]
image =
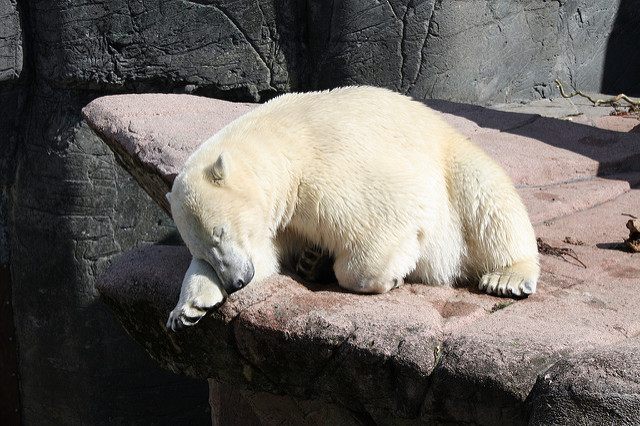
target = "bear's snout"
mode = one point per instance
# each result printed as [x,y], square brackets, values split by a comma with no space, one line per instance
[242,280]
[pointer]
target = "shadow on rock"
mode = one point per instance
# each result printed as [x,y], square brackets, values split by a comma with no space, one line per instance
[617,153]
[622,59]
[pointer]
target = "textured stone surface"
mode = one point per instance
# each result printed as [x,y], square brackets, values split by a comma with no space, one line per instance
[417,352]
[233,406]
[11,57]
[479,51]
[238,49]
[476,50]
[597,386]
[12,101]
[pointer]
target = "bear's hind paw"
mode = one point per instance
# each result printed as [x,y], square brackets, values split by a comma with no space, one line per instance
[509,284]
[315,266]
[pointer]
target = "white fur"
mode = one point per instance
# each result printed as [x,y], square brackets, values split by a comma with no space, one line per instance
[200,292]
[376,179]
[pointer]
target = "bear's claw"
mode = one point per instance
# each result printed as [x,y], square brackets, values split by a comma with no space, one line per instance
[507,284]
[315,265]
[190,313]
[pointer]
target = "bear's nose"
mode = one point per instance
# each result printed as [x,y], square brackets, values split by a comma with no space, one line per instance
[243,280]
[238,284]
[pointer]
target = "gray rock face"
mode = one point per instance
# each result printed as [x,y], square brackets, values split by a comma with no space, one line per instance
[226,48]
[478,50]
[485,51]
[598,386]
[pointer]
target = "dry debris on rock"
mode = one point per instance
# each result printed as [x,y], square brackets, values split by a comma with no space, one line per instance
[573,241]
[633,242]
[560,252]
[614,101]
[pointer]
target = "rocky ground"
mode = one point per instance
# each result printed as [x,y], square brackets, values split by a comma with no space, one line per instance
[568,354]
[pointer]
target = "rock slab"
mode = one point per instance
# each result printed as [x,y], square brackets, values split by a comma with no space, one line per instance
[418,353]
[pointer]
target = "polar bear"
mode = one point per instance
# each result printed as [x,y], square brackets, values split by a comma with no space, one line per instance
[375,179]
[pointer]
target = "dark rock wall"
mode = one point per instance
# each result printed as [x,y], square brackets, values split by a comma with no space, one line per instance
[11,104]
[12,100]
[10,41]
[218,47]
[73,210]
[622,56]
[67,209]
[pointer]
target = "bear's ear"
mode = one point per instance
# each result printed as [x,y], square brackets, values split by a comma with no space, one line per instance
[168,197]
[217,171]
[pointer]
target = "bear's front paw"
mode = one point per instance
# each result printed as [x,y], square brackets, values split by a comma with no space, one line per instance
[189,313]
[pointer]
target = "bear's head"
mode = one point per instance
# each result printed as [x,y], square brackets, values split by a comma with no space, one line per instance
[220,219]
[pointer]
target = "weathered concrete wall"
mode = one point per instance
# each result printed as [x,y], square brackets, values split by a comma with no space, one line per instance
[67,209]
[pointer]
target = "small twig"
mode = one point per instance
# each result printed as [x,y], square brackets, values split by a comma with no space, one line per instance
[573,241]
[629,215]
[560,252]
[613,101]
[500,305]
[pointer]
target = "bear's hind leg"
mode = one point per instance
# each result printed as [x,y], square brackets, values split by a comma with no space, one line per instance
[501,242]
[376,271]
[504,249]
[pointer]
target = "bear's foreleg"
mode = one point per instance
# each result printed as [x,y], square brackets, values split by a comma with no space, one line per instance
[200,293]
